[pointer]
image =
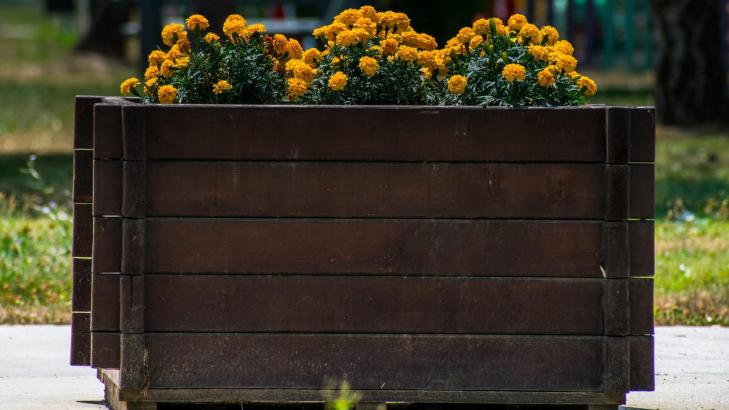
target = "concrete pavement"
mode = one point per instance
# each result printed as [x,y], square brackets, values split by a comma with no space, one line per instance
[692,371]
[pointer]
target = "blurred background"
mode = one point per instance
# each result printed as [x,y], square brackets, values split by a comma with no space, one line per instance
[667,53]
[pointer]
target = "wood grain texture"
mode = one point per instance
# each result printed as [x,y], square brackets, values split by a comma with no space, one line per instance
[107,188]
[324,246]
[107,245]
[82,176]
[81,287]
[83,128]
[387,362]
[374,304]
[641,306]
[642,248]
[108,131]
[376,133]
[642,134]
[80,339]
[642,187]
[105,350]
[105,303]
[82,231]
[642,371]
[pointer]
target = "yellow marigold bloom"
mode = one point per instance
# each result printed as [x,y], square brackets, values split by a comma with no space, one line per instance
[167,94]
[235,26]
[156,57]
[370,13]
[294,48]
[182,62]
[256,28]
[589,88]
[338,81]
[545,78]
[171,32]
[498,25]
[514,72]
[292,64]
[311,56]
[465,35]
[166,68]
[221,87]
[574,75]
[367,25]
[362,34]
[389,46]
[149,83]
[426,72]
[516,22]
[197,22]
[280,43]
[427,59]
[402,21]
[427,42]
[457,84]
[151,71]
[349,16]
[481,27]
[320,32]
[211,38]
[407,53]
[368,65]
[336,60]
[550,34]
[126,86]
[347,38]
[539,52]
[564,62]
[174,53]
[530,34]
[409,38]
[303,71]
[475,42]
[184,45]
[564,47]
[377,50]
[297,87]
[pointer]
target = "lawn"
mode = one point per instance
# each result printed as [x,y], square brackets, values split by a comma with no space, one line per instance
[692,185]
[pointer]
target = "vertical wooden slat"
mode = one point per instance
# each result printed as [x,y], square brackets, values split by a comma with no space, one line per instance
[105,350]
[107,187]
[80,339]
[83,129]
[617,307]
[616,256]
[642,371]
[105,303]
[107,131]
[642,134]
[82,176]
[642,187]
[81,291]
[617,364]
[82,231]
[107,245]
[642,248]
[618,135]
[641,306]
[617,201]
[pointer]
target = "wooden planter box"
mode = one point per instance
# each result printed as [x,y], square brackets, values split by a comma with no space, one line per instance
[424,254]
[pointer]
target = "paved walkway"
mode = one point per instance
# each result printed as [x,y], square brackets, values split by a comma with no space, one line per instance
[692,366]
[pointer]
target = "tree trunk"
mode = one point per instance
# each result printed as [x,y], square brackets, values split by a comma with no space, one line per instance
[105,36]
[690,74]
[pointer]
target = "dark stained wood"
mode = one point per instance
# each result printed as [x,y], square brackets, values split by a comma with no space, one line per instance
[642,248]
[81,288]
[617,202]
[133,246]
[615,262]
[134,368]
[107,245]
[374,304]
[105,303]
[642,372]
[107,188]
[431,190]
[132,304]
[107,131]
[642,187]
[616,308]
[134,201]
[428,247]
[83,129]
[642,134]
[80,339]
[105,350]
[618,135]
[397,362]
[376,133]
[82,175]
[617,364]
[82,231]
[641,306]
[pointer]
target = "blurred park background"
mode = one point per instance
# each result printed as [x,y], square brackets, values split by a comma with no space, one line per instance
[668,53]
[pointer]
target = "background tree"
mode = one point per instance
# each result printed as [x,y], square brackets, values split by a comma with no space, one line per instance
[690,74]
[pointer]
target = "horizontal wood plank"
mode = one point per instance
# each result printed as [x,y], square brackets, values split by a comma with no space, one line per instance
[386,362]
[641,306]
[642,195]
[80,339]
[107,245]
[105,350]
[105,302]
[642,370]
[642,248]
[82,231]
[108,187]
[81,288]
[376,133]
[374,304]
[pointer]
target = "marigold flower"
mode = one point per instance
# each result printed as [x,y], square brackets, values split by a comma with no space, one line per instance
[457,84]
[127,85]
[377,50]
[517,21]
[426,72]
[151,71]
[362,34]
[234,27]
[426,42]
[514,72]
[545,78]
[182,62]
[550,34]
[347,38]
[280,43]
[296,87]
[498,25]
[156,57]
[539,52]
[481,27]
[427,59]
[221,87]
[407,53]
[211,38]
[530,34]
[369,12]
[256,28]
[465,34]
[171,32]
[311,56]
[338,81]
[149,83]
[167,94]
[366,24]
[589,88]
[174,53]
[349,16]
[197,22]
[368,65]
[564,62]
[320,32]
[165,69]
[475,42]
[564,47]
[303,71]
[389,46]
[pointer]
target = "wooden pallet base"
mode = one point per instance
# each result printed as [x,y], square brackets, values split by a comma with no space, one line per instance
[371,399]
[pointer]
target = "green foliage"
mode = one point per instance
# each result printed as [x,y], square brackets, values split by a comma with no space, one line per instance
[342,398]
